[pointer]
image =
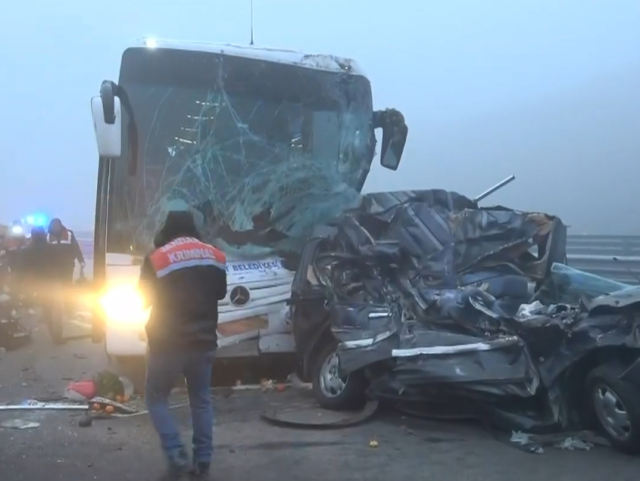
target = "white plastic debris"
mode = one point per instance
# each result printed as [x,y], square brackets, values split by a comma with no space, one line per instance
[526,311]
[525,440]
[19,424]
[574,444]
[127,386]
[520,438]
[297,383]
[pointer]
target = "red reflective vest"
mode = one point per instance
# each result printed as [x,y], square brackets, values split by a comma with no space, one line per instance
[185,252]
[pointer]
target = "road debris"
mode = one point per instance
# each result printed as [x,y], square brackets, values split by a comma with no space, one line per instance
[19,424]
[573,443]
[33,405]
[12,333]
[535,443]
[306,414]
[524,440]
[81,390]
[105,385]
[86,421]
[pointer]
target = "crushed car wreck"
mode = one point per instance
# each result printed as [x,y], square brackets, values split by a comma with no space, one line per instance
[425,299]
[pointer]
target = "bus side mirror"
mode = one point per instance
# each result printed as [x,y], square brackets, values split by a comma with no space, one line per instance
[394,136]
[107,121]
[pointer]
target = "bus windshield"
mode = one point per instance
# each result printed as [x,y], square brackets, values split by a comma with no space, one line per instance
[263,150]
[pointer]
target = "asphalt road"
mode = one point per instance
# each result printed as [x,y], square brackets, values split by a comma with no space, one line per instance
[248,448]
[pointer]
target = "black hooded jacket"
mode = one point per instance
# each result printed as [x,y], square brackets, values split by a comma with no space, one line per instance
[65,248]
[36,262]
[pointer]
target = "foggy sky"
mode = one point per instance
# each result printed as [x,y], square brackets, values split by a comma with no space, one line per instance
[548,90]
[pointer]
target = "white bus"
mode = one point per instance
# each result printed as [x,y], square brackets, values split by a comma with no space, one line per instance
[262,144]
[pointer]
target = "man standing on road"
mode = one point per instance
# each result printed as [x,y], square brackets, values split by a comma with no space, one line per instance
[66,251]
[182,280]
[36,263]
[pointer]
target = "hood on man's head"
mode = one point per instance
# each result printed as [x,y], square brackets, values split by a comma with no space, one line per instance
[179,205]
[55,225]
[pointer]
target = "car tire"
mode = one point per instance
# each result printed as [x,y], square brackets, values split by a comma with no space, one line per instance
[614,407]
[329,389]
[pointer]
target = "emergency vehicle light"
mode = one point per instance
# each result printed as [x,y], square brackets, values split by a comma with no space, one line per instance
[37,220]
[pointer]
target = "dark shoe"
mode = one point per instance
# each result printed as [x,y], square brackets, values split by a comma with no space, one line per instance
[171,475]
[178,465]
[201,470]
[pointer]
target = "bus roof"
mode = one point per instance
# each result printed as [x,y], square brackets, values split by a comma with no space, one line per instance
[292,57]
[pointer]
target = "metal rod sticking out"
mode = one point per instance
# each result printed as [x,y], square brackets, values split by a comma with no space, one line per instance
[251,43]
[45,407]
[496,187]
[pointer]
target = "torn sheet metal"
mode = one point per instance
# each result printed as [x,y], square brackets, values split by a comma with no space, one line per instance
[440,299]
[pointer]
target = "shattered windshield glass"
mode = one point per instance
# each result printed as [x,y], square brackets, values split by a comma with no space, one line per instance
[264,150]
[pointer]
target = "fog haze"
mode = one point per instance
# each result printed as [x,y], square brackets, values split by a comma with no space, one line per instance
[546,90]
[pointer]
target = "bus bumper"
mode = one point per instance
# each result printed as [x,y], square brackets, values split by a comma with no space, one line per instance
[125,341]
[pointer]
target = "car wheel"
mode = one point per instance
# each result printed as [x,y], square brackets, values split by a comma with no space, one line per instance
[333,391]
[615,408]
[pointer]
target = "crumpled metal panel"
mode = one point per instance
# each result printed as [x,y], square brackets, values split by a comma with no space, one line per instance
[444,233]
[432,294]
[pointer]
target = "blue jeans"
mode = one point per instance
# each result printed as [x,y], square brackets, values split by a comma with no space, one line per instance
[163,369]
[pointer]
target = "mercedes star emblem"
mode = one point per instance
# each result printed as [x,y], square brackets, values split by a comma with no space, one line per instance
[239,296]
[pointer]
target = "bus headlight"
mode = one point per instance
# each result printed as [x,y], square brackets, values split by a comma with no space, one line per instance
[123,304]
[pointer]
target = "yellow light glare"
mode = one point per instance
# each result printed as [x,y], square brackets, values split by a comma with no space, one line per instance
[123,304]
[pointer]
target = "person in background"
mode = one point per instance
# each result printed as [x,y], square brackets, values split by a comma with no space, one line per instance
[182,280]
[12,245]
[37,263]
[16,239]
[69,250]
[66,251]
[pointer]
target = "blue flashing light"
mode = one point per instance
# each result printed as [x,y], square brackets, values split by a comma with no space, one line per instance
[37,220]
